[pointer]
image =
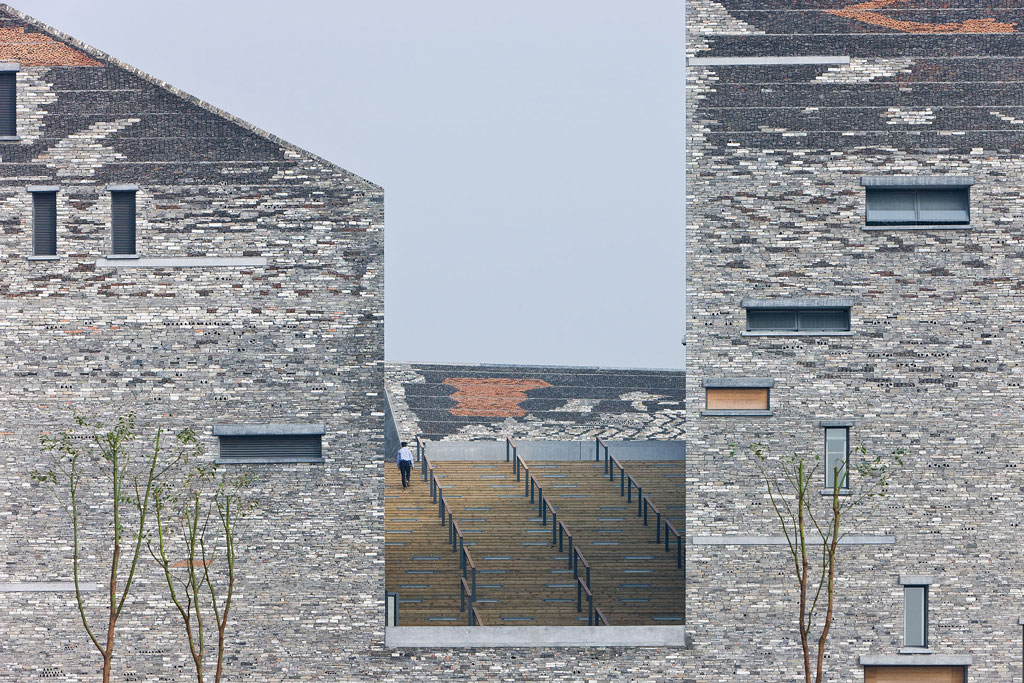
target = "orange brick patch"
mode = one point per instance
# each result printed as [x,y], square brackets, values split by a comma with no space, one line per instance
[489,397]
[864,11]
[39,49]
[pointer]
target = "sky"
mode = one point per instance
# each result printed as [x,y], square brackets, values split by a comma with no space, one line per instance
[531,152]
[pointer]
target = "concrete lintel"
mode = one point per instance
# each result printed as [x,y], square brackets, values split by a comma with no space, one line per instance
[737,383]
[122,187]
[270,429]
[767,61]
[1020,622]
[182,262]
[916,580]
[47,587]
[781,540]
[737,413]
[917,181]
[829,492]
[43,188]
[535,636]
[916,660]
[10,66]
[799,302]
[836,423]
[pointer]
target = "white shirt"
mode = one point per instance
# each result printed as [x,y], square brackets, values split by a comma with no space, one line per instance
[404,454]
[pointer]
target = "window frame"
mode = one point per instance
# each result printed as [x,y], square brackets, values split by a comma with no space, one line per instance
[845,486]
[924,607]
[122,190]
[269,431]
[798,313]
[917,185]
[761,383]
[36,191]
[9,119]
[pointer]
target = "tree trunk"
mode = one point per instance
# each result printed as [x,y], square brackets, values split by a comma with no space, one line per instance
[107,656]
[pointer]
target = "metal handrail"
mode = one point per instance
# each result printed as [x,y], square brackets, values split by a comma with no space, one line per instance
[598,445]
[475,619]
[581,590]
[680,545]
[562,527]
[518,465]
[510,449]
[602,620]
[649,504]
[534,487]
[421,449]
[425,466]
[643,504]
[578,559]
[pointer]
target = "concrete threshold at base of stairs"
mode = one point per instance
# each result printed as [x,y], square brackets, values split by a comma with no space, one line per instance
[535,636]
[579,451]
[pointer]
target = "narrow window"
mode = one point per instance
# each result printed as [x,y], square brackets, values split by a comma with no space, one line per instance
[122,204]
[798,319]
[918,206]
[8,104]
[755,398]
[837,455]
[44,223]
[915,620]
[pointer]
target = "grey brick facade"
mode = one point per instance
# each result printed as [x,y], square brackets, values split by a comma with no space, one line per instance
[776,205]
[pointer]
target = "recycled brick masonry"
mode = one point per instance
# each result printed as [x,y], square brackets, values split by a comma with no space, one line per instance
[775,158]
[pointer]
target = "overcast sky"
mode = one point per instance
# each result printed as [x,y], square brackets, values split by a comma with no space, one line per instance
[531,152]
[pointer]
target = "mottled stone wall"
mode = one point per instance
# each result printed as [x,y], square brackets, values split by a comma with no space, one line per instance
[776,210]
[299,339]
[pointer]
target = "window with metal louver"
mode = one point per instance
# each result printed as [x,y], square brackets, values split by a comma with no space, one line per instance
[44,223]
[122,203]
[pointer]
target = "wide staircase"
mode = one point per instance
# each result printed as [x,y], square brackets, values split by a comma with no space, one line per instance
[419,564]
[665,483]
[633,579]
[520,579]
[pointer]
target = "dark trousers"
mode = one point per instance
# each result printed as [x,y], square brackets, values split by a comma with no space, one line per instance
[406,468]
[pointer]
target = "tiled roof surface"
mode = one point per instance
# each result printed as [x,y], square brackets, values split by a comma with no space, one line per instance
[936,74]
[464,402]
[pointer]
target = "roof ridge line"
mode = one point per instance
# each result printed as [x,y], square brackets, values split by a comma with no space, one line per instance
[177,92]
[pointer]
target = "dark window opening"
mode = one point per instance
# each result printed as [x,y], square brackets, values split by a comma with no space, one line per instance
[44,223]
[123,222]
[909,206]
[271,447]
[798,320]
[8,104]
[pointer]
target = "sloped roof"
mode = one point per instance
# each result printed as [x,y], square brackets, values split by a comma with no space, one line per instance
[466,402]
[30,42]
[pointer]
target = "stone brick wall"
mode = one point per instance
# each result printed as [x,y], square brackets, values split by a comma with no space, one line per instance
[776,210]
[299,339]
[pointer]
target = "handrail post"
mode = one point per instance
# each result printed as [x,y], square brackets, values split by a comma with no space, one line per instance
[629,489]
[540,501]
[570,551]
[462,554]
[554,524]
[590,610]
[508,445]
[645,512]
[462,597]
[622,480]
[666,535]
[639,497]
[679,551]
[657,534]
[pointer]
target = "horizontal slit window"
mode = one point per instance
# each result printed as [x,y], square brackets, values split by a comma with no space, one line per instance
[798,320]
[271,447]
[754,398]
[910,206]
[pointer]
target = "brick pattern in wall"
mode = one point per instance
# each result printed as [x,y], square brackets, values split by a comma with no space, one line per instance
[776,210]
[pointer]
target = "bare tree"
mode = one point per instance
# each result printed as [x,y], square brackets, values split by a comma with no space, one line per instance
[91,453]
[814,525]
[196,521]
